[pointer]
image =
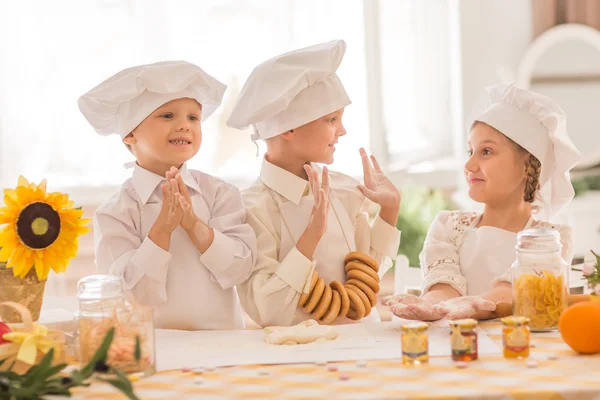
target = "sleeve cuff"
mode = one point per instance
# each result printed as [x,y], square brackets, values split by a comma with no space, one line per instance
[458,284]
[385,239]
[219,254]
[151,260]
[295,269]
[505,277]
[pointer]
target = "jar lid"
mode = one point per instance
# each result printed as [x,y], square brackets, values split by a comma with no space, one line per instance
[415,327]
[539,239]
[464,323]
[514,320]
[96,287]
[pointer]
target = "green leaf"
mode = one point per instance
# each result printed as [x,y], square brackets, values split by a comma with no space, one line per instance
[35,373]
[123,378]
[100,355]
[23,392]
[124,387]
[77,377]
[597,258]
[138,349]
[52,371]
[44,379]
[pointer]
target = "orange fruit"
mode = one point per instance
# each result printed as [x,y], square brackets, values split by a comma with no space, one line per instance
[579,327]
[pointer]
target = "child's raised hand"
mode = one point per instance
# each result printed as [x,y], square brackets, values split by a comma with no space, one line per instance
[320,212]
[379,189]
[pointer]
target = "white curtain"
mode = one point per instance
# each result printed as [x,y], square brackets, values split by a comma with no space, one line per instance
[416,49]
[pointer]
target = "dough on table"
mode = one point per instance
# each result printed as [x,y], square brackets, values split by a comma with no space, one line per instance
[305,332]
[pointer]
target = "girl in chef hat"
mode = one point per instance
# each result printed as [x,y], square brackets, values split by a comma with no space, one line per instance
[519,160]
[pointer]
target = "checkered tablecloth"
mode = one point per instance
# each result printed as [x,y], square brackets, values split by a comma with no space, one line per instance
[559,374]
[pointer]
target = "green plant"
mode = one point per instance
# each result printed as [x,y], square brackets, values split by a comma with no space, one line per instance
[585,184]
[419,207]
[44,379]
[591,273]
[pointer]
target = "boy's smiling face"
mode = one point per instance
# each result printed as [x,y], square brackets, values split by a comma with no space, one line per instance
[169,136]
[316,140]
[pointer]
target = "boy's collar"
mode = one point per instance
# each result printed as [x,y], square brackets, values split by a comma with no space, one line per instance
[145,182]
[285,183]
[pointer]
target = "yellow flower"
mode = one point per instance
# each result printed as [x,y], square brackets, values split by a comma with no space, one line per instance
[40,230]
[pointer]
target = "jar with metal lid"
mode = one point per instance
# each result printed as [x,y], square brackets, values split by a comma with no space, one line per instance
[463,339]
[415,343]
[540,279]
[515,337]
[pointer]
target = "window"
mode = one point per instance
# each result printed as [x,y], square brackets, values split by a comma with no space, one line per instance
[416,49]
[57,50]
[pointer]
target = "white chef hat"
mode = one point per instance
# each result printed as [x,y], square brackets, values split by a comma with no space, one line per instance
[291,90]
[539,125]
[120,103]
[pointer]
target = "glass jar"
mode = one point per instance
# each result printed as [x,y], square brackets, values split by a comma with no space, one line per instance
[540,279]
[103,305]
[415,344]
[515,337]
[463,340]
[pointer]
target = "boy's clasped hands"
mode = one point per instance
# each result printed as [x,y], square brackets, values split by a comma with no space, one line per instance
[177,210]
[177,204]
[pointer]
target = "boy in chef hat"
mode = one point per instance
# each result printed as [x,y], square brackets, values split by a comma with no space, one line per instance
[307,219]
[520,156]
[178,238]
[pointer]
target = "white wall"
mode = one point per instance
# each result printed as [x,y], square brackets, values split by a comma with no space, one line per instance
[494,37]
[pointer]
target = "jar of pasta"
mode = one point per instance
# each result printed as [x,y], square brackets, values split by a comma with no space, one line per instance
[540,279]
[103,305]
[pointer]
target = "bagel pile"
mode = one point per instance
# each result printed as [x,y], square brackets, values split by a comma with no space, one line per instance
[325,303]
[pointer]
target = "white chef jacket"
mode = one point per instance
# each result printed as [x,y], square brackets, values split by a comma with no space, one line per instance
[451,244]
[187,289]
[270,296]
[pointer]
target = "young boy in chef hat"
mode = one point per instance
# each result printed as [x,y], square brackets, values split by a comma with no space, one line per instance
[306,218]
[178,238]
[519,160]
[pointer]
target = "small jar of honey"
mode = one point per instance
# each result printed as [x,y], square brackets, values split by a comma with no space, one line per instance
[463,340]
[515,337]
[415,343]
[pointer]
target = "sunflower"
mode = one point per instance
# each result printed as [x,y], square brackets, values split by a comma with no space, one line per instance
[40,230]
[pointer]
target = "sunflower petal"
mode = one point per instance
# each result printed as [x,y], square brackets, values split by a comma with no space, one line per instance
[57,256]
[39,269]
[5,253]
[22,181]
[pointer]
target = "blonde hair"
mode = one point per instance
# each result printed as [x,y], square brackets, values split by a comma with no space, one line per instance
[533,168]
[532,184]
